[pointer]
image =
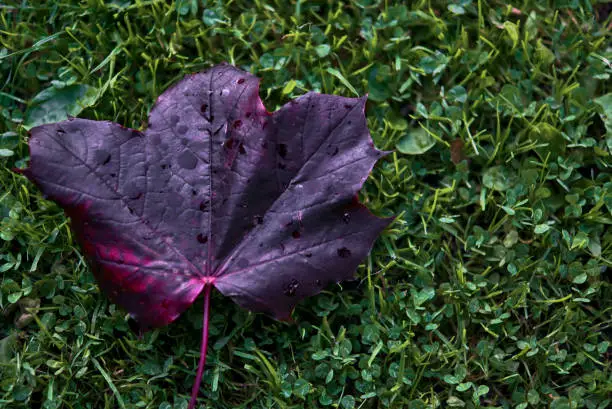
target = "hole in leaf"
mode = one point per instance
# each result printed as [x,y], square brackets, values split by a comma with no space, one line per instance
[242,150]
[344,252]
[291,288]
[346,217]
[204,205]
[241,81]
[237,124]
[281,148]
[202,238]
[296,234]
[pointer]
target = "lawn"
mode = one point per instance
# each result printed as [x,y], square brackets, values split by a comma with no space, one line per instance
[491,288]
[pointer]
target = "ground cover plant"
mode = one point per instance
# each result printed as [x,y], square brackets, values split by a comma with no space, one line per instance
[489,289]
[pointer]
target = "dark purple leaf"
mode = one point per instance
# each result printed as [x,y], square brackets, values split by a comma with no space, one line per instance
[217,191]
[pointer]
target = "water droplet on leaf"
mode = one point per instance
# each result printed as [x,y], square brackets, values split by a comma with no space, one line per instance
[187,160]
[332,150]
[102,156]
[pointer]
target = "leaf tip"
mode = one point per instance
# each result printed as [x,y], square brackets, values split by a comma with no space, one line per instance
[285,317]
[25,172]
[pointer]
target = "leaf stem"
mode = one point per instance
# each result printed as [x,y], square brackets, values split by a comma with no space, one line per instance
[204,347]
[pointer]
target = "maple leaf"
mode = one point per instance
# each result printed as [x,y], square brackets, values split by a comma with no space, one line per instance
[215,192]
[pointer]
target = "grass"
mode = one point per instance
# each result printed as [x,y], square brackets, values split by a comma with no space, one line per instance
[490,290]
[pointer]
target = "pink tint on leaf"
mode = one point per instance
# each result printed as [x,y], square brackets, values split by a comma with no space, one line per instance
[217,191]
